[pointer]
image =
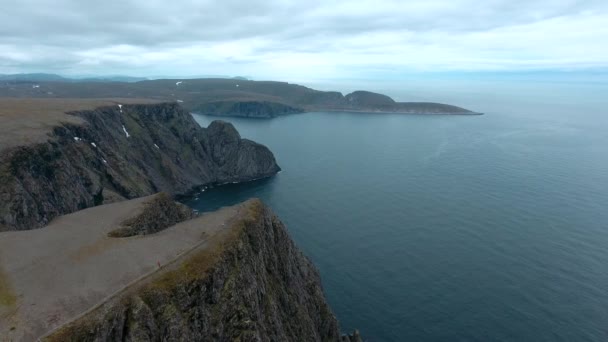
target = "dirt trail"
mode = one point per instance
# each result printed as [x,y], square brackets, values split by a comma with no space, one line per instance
[60,271]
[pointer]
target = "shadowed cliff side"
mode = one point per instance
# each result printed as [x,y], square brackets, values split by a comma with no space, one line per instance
[247,109]
[252,285]
[121,152]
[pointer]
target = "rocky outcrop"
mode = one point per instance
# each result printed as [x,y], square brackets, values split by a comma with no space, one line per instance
[158,213]
[122,152]
[362,98]
[252,285]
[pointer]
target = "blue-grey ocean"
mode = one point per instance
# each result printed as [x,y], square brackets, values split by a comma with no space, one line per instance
[449,228]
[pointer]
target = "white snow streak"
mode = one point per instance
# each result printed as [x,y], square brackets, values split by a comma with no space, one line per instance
[120,107]
[178,83]
[94,144]
[77,139]
[125,130]
[156,146]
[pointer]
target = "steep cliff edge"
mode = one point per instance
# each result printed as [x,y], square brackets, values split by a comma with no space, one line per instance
[121,152]
[250,283]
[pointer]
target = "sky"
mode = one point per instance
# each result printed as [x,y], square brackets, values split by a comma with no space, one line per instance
[297,40]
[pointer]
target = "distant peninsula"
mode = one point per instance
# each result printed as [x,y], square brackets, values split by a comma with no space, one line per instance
[225,96]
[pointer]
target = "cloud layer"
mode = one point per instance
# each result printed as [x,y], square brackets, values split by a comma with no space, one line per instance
[287,39]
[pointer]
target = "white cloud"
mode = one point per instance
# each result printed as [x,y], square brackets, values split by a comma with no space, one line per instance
[292,39]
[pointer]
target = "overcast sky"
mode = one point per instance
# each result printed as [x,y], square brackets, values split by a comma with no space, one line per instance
[284,39]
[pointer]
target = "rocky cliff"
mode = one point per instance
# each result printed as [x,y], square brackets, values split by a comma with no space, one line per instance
[252,284]
[121,152]
[247,109]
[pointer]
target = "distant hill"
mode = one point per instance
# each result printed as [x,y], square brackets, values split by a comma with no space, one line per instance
[229,96]
[110,79]
[42,77]
[36,77]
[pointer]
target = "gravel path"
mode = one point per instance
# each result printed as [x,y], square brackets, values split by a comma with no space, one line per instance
[58,272]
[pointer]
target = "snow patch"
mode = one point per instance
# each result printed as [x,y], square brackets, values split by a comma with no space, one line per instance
[93,144]
[125,130]
[178,83]
[237,85]
[180,101]
[120,107]
[77,139]
[156,146]
[104,161]
[36,86]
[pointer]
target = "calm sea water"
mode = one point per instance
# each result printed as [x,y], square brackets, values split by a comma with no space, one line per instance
[439,228]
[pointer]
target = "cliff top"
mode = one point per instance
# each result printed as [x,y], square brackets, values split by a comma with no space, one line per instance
[25,121]
[82,267]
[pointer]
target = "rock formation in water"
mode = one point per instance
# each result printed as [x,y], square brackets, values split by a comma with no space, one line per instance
[122,152]
[251,284]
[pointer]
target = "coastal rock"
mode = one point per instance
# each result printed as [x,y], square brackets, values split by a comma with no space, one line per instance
[253,285]
[122,152]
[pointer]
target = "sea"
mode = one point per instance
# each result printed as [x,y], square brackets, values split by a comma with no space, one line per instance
[449,228]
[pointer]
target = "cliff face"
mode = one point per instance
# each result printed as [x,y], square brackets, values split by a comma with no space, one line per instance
[252,285]
[122,152]
[247,109]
